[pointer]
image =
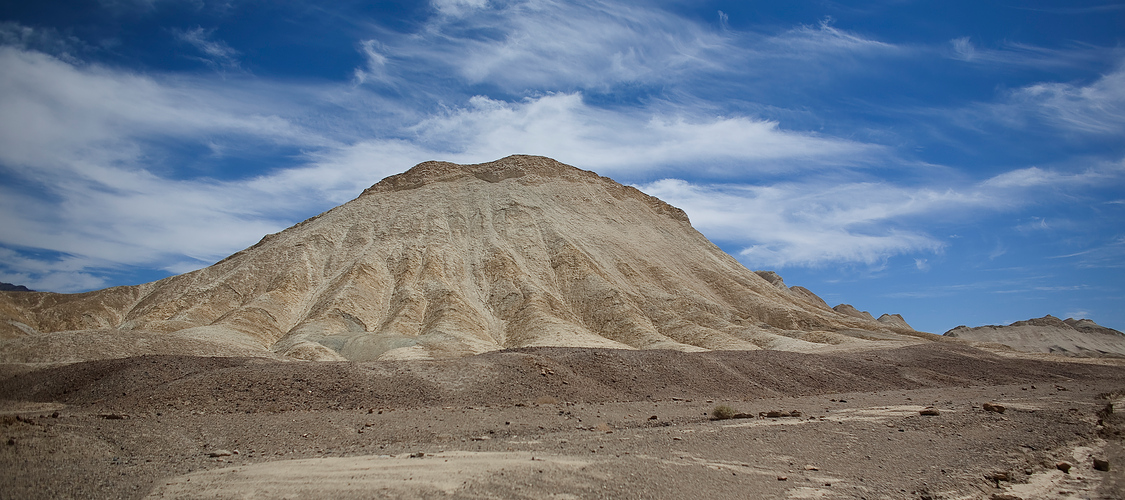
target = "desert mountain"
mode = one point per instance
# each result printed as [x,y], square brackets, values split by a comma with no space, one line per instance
[9,287]
[447,260]
[1071,337]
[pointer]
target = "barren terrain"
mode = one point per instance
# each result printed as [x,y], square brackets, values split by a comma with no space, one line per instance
[565,423]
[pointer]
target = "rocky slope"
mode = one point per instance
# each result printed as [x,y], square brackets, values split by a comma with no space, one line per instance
[1071,337]
[447,260]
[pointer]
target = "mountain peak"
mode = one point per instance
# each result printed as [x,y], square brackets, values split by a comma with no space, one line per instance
[526,169]
[510,167]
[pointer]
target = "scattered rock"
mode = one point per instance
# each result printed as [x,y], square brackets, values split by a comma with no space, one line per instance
[782,478]
[417,455]
[112,416]
[929,412]
[1063,466]
[779,414]
[995,408]
[1004,496]
[1102,465]
[219,453]
[998,476]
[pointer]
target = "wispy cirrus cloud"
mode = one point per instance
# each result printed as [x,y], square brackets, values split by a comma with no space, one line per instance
[520,45]
[566,46]
[1010,54]
[1066,111]
[216,53]
[1096,108]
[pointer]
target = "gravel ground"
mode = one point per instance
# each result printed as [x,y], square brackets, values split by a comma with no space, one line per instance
[566,423]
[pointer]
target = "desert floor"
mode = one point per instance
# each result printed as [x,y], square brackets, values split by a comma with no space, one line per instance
[567,423]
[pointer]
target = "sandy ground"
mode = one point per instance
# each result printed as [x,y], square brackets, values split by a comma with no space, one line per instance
[566,423]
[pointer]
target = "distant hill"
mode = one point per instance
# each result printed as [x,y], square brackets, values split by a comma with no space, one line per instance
[8,287]
[1070,337]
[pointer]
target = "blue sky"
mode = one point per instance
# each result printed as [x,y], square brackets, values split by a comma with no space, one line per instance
[955,162]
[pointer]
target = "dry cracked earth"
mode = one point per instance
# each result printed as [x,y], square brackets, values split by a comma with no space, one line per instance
[568,423]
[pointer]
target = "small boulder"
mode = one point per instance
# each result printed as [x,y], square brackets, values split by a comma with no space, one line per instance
[1063,466]
[930,412]
[1102,465]
[995,408]
[219,453]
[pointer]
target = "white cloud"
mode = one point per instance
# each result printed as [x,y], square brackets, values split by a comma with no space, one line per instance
[52,112]
[552,44]
[802,224]
[564,127]
[826,40]
[814,224]
[458,8]
[376,63]
[556,45]
[217,53]
[79,148]
[47,40]
[87,141]
[1097,108]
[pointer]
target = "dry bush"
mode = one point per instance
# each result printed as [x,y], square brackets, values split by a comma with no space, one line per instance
[723,412]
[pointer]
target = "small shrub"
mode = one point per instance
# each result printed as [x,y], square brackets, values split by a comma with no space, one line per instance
[723,412]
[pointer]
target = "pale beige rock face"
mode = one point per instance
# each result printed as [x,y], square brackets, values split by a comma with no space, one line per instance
[1082,337]
[449,260]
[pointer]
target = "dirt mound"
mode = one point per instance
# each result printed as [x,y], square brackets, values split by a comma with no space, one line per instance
[1072,337]
[449,260]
